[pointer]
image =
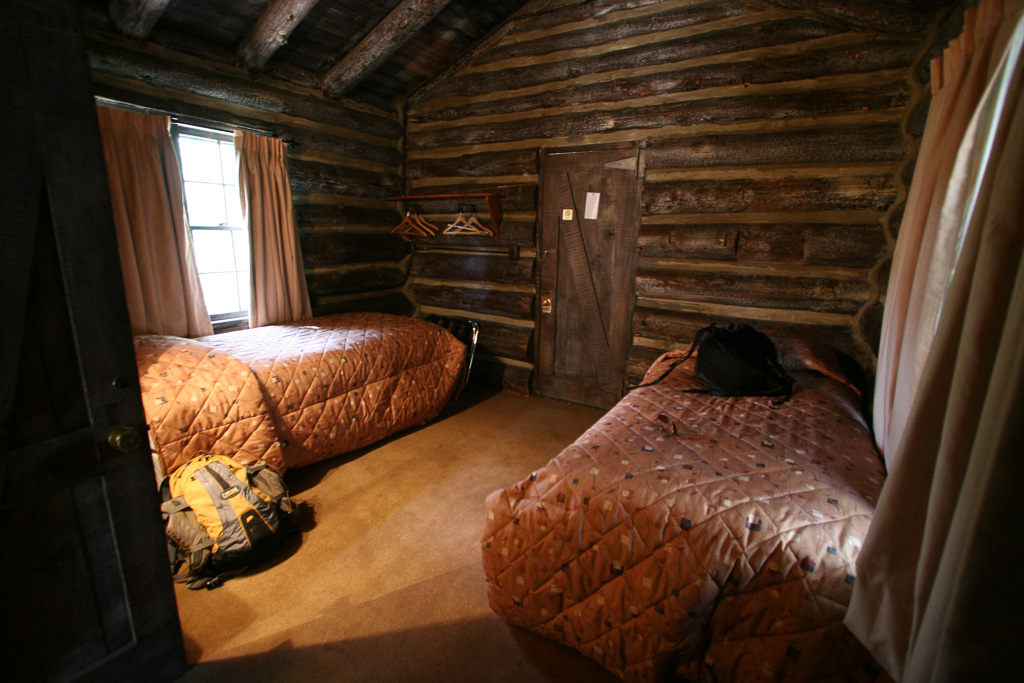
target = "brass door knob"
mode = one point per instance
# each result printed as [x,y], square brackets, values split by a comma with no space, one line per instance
[545,302]
[125,439]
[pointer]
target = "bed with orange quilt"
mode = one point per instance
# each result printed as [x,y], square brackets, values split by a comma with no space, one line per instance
[709,538]
[297,393]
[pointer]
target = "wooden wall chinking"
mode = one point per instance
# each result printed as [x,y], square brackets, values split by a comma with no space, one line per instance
[776,146]
[344,157]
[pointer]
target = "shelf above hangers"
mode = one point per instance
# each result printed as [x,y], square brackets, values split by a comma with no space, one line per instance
[493,202]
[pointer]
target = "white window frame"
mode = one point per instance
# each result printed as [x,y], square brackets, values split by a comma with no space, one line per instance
[233,320]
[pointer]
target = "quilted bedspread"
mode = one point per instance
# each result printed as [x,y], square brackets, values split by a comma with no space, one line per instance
[293,394]
[713,537]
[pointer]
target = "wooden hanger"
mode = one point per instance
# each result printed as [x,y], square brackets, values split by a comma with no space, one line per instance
[410,225]
[429,227]
[473,222]
[467,226]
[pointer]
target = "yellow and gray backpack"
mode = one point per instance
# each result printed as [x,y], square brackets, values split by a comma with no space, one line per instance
[222,517]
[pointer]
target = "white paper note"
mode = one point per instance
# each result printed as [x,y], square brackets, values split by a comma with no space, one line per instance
[590,209]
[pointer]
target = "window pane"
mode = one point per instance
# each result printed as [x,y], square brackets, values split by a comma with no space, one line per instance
[243,291]
[234,204]
[229,163]
[241,238]
[205,204]
[220,290]
[200,159]
[214,253]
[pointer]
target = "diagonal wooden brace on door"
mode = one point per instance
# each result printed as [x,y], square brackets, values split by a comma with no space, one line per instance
[579,266]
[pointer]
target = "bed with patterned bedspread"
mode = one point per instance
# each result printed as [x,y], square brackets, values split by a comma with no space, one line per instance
[293,394]
[713,538]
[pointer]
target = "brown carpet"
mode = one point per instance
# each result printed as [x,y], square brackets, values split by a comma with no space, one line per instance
[386,583]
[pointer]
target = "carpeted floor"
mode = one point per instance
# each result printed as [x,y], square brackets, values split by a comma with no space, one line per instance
[386,583]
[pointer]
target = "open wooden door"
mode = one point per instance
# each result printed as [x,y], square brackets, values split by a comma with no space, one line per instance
[589,215]
[87,592]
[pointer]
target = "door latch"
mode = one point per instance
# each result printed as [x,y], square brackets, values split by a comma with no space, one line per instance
[545,302]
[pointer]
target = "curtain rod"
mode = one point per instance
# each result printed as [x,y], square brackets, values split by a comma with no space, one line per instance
[180,118]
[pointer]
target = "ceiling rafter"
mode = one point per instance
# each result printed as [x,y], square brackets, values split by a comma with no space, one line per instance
[271,31]
[379,44]
[136,18]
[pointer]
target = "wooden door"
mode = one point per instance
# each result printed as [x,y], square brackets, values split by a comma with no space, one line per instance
[87,592]
[590,213]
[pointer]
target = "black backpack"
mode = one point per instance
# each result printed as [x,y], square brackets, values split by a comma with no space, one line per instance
[736,360]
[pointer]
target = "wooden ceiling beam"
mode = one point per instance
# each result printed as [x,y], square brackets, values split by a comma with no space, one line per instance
[380,43]
[271,31]
[136,18]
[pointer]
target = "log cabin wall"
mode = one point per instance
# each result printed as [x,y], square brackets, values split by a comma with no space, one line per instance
[777,146]
[344,157]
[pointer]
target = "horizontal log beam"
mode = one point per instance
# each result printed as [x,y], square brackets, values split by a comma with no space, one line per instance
[519,198]
[870,143]
[902,16]
[136,18]
[757,290]
[271,31]
[515,305]
[723,110]
[514,378]
[643,25]
[160,73]
[473,53]
[380,43]
[577,11]
[353,152]
[639,362]
[679,327]
[313,216]
[472,268]
[339,248]
[864,57]
[395,303]
[313,176]
[849,193]
[851,246]
[485,165]
[505,341]
[663,52]
[353,280]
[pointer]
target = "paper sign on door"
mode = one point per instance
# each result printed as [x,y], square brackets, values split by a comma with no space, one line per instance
[590,209]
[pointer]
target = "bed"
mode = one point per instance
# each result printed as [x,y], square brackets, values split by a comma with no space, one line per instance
[709,538]
[291,395]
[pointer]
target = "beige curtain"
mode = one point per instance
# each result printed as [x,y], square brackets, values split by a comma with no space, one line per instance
[160,277]
[936,596]
[277,276]
[923,250]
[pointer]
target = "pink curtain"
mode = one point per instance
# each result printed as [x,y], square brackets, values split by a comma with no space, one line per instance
[160,277]
[935,596]
[278,279]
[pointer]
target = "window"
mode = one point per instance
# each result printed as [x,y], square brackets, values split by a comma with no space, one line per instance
[214,213]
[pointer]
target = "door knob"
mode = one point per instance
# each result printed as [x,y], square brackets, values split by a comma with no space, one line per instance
[124,439]
[545,302]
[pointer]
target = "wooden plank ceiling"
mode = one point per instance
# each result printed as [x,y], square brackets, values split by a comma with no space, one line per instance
[380,49]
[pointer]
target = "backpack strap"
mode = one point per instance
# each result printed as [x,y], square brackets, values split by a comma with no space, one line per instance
[698,338]
[187,540]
